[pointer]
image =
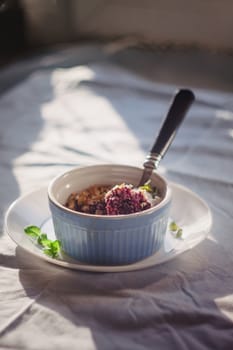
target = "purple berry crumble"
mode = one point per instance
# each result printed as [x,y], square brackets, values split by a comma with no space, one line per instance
[112,200]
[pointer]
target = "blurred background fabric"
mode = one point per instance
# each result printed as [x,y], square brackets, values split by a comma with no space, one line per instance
[199,23]
[170,40]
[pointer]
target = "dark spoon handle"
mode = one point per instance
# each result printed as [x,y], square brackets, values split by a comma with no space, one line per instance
[178,109]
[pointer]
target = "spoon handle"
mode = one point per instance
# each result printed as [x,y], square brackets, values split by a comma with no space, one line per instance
[177,111]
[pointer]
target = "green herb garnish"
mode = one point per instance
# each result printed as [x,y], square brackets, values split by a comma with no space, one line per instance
[176,229]
[148,188]
[50,248]
[173,226]
[53,249]
[179,233]
[32,231]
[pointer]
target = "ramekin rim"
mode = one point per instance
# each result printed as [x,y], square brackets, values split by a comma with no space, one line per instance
[161,204]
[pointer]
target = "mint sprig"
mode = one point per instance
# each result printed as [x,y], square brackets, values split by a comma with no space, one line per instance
[50,248]
[53,248]
[179,233]
[177,230]
[148,188]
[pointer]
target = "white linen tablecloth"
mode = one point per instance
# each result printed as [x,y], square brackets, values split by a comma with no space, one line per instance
[99,113]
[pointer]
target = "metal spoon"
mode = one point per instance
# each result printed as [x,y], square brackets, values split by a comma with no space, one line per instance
[178,109]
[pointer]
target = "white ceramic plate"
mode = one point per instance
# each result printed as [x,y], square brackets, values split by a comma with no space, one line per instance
[188,210]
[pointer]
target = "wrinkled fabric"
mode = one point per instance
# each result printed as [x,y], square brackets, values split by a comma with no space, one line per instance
[99,113]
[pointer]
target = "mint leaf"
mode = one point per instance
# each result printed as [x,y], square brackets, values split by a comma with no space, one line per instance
[53,249]
[50,248]
[32,231]
[179,233]
[173,226]
[43,240]
[147,188]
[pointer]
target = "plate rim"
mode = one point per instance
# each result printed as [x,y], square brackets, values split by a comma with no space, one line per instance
[140,265]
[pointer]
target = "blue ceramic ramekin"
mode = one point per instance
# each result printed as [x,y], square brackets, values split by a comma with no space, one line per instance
[107,240]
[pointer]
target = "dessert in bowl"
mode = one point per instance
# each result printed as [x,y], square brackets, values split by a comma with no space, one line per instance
[108,235]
